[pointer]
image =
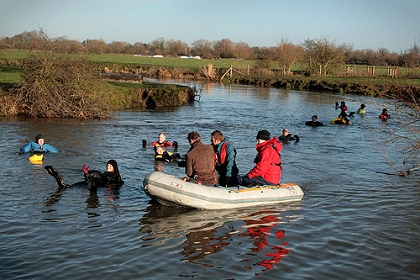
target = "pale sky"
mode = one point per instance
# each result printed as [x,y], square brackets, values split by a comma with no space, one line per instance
[364,24]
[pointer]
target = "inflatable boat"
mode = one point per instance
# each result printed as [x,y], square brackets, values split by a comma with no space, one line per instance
[174,191]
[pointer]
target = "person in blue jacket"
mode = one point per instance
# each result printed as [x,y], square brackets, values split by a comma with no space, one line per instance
[225,154]
[38,146]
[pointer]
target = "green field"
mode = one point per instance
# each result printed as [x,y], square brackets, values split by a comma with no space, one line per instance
[361,74]
[188,63]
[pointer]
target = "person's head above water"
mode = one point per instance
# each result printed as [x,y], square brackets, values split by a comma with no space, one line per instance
[39,139]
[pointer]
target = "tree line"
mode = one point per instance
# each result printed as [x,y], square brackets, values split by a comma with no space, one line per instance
[321,55]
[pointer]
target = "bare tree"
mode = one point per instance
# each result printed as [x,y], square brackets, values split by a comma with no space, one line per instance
[411,57]
[139,48]
[265,57]
[64,45]
[157,46]
[95,46]
[287,55]
[223,48]
[242,50]
[322,56]
[202,48]
[116,47]
[176,48]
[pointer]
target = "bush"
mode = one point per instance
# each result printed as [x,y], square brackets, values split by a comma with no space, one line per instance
[56,85]
[9,104]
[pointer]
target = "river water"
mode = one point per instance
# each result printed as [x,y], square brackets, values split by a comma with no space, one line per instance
[356,221]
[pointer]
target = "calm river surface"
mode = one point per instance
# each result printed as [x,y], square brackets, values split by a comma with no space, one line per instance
[354,222]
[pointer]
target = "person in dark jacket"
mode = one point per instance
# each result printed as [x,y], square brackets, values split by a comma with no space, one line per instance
[163,155]
[314,122]
[200,161]
[93,178]
[112,175]
[267,169]
[38,146]
[225,159]
[286,136]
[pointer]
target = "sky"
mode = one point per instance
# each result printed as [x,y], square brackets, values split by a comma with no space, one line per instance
[361,24]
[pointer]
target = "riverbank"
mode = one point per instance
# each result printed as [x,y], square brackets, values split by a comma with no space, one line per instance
[330,85]
[131,95]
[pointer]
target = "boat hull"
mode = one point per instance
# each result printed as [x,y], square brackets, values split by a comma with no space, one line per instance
[171,190]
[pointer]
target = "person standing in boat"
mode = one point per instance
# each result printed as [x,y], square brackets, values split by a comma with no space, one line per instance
[200,161]
[225,159]
[38,146]
[267,169]
[314,122]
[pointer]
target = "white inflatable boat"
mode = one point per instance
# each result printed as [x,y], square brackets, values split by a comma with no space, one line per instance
[171,190]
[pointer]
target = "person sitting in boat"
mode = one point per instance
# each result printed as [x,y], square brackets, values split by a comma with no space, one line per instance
[362,109]
[267,169]
[225,159]
[286,137]
[163,142]
[163,155]
[384,116]
[314,122]
[200,161]
[38,146]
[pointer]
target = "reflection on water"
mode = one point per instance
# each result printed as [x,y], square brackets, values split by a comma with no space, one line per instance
[92,201]
[258,233]
[258,229]
[202,242]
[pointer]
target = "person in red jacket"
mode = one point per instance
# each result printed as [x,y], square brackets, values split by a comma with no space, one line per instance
[384,116]
[267,169]
[162,142]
